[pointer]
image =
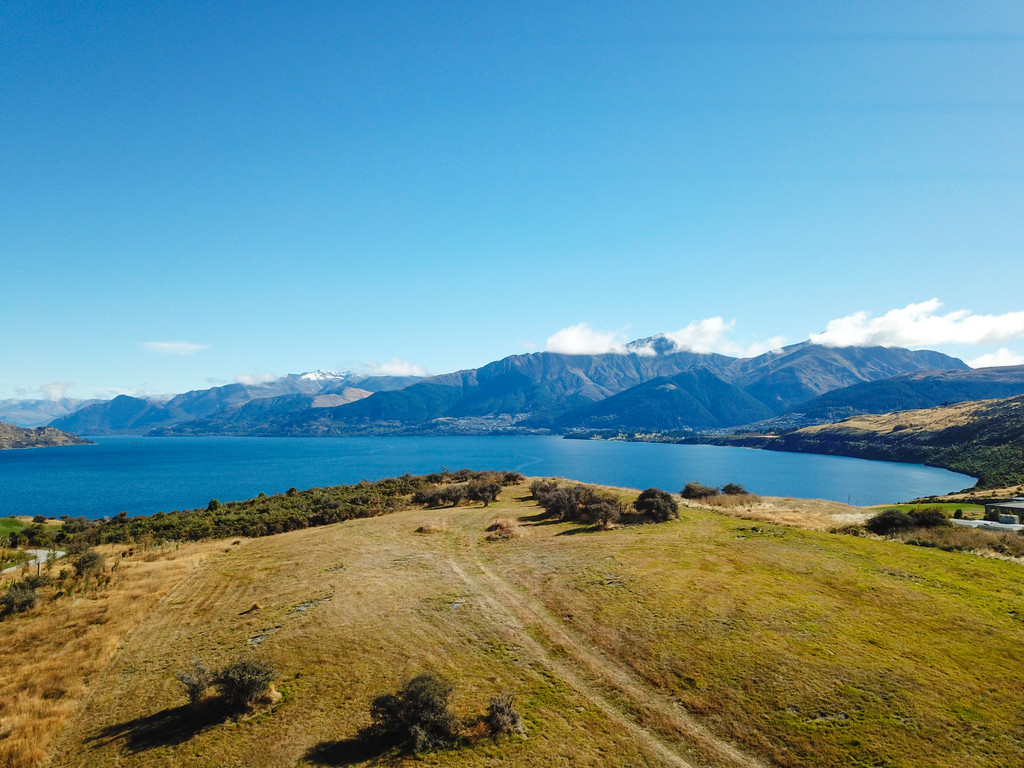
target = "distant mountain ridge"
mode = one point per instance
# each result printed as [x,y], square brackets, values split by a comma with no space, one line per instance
[36,413]
[653,387]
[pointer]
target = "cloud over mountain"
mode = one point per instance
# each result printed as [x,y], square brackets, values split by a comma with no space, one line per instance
[917,325]
[393,367]
[173,347]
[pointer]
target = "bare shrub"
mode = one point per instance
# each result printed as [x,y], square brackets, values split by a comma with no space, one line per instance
[196,680]
[503,717]
[504,528]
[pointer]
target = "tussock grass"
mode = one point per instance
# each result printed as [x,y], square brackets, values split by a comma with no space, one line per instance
[815,514]
[51,654]
[958,538]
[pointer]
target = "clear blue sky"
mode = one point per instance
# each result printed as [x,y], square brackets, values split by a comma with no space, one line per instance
[268,188]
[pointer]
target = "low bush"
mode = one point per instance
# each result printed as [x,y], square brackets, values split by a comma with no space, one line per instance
[242,682]
[695,490]
[418,717]
[889,522]
[734,489]
[18,597]
[657,505]
[502,715]
[196,680]
[929,517]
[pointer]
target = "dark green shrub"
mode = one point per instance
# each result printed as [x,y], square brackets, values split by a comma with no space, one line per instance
[88,562]
[483,490]
[889,522]
[42,580]
[502,715]
[512,478]
[242,682]
[929,517]
[18,598]
[734,489]
[695,490]
[657,505]
[418,717]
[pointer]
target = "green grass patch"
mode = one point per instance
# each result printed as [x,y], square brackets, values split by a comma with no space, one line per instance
[8,524]
[971,511]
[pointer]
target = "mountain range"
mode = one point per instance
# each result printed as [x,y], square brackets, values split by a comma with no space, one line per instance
[650,386]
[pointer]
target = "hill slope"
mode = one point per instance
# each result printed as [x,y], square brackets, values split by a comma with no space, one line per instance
[40,437]
[983,438]
[708,641]
[909,391]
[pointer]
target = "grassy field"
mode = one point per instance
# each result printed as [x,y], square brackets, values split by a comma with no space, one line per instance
[711,641]
[970,511]
[8,524]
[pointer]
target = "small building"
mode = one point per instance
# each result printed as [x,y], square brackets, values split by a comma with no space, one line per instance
[1008,512]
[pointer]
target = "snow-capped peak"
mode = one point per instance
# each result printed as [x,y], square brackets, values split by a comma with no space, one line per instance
[320,375]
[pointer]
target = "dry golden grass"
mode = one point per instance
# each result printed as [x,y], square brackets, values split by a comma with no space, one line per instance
[814,514]
[51,654]
[921,420]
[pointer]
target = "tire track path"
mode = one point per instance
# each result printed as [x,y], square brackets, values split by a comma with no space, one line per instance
[661,724]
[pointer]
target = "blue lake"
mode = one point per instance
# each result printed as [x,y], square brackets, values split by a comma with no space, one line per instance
[146,475]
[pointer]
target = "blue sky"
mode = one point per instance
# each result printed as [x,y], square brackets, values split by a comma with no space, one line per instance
[197,193]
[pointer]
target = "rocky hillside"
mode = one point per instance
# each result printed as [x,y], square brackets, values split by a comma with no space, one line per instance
[40,437]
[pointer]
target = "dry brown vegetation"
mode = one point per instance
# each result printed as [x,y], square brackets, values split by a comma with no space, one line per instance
[52,654]
[814,514]
[919,420]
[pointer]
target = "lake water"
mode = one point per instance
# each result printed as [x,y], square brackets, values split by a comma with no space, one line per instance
[146,475]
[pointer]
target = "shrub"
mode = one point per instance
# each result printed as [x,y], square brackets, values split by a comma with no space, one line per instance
[734,489]
[18,598]
[657,505]
[42,580]
[889,522]
[695,490]
[242,682]
[195,680]
[418,717]
[503,717]
[929,517]
[511,478]
[483,490]
[540,489]
[88,562]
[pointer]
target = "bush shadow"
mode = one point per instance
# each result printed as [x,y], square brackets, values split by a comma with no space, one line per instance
[584,529]
[357,749]
[165,728]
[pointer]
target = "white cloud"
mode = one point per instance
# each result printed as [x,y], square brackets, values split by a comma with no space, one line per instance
[174,347]
[393,367]
[1001,356]
[255,379]
[581,339]
[711,335]
[919,325]
[55,390]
